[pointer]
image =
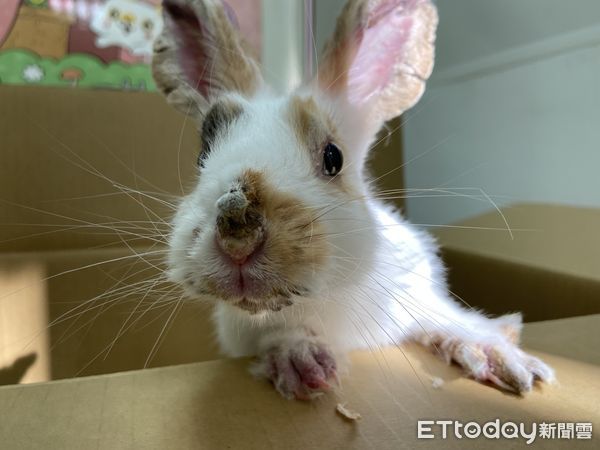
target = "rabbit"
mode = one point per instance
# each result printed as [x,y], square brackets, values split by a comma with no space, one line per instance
[283,231]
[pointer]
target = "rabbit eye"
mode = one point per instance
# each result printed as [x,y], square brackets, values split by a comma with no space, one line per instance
[332,160]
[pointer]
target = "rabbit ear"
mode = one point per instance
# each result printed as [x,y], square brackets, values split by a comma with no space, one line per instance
[381,54]
[200,55]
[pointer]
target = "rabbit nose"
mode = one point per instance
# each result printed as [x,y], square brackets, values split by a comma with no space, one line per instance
[240,225]
[233,204]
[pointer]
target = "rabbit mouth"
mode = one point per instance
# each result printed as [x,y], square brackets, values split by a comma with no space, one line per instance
[241,283]
[252,283]
[247,293]
[254,293]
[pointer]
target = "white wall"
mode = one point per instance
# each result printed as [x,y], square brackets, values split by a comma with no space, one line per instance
[284,43]
[283,58]
[513,107]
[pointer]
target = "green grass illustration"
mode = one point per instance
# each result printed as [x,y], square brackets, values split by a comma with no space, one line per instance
[19,66]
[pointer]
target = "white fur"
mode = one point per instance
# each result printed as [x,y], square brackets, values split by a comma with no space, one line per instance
[383,283]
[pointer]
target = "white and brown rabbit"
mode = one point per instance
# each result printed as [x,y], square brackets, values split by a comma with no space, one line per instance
[282,230]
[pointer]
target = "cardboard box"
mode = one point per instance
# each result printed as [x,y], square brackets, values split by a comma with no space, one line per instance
[217,404]
[548,269]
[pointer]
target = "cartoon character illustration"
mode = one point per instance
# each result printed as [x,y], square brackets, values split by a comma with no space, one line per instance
[129,24]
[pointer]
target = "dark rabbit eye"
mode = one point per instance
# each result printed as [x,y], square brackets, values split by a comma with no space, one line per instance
[332,160]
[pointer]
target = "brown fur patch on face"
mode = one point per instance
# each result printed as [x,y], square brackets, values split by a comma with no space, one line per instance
[314,129]
[294,244]
[311,126]
[293,247]
[253,187]
[291,242]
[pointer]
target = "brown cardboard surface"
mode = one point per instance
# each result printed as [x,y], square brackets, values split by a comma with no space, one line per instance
[216,405]
[71,159]
[551,268]
[89,297]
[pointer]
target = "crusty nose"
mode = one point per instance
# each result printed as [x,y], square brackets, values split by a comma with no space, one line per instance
[240,225]
[233,204]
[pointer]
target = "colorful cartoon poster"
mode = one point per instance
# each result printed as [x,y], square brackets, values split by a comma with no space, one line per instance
[90,43]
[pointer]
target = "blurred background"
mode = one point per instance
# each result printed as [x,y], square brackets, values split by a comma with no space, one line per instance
[499,160]
[512,106]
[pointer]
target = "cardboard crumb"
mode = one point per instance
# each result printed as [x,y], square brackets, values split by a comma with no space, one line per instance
[347,413]
[437,382]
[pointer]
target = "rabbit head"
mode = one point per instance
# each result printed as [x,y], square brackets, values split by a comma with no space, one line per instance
[280,209]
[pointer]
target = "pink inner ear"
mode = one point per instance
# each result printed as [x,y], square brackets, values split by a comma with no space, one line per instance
[190,36]
[383,46]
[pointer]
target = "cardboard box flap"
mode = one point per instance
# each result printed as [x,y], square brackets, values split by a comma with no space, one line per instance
[548,270]
[556,238]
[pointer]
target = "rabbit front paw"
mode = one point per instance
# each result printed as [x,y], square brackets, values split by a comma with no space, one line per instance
[301,369]
[501,363]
